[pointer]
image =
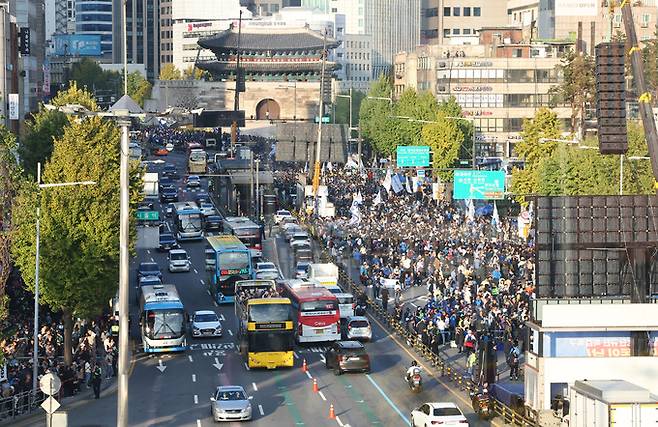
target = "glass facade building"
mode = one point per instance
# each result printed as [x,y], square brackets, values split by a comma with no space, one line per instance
[95,17]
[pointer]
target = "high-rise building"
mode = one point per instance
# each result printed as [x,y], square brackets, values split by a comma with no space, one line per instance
[95,17]
[142,35]
[60,17]
[394,26]
[29,15]
[458,22]
[8,59]
[166,32]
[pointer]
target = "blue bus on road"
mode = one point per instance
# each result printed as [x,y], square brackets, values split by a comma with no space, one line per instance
[162,319]
[232,262]
[187,221]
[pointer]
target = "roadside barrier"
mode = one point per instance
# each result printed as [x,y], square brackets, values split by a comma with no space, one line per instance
[332,413]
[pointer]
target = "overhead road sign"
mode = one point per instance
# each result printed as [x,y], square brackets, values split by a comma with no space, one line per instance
[325,119]
[479,185]
[148,215]
[412,156]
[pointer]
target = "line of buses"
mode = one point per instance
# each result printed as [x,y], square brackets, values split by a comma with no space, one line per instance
[271,316]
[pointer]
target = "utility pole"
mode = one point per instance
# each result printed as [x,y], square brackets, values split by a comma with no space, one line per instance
[258,206]
[236,104]
[316,171]
[252,207]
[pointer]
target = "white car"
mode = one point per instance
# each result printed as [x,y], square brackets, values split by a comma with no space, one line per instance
[178,260]
[266,266]
[205,323]
[193,181]
[300,238]
[280,215]
[443,413]
[207,209]
[358,328]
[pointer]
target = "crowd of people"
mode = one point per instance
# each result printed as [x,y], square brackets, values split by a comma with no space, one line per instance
[478,274]
[94,348]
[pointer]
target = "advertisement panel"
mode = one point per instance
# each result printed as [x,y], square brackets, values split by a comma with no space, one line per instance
[77,44]
[588,344]
[575,8]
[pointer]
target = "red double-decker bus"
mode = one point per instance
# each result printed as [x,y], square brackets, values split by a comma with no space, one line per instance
[315,313]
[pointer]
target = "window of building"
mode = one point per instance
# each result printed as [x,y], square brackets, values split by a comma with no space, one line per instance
[334,10]
[455,11]
[434,11]
[466,31]
[645,20]
[517,53]
[446,11]
[274,8]
[456,31]
[477,11]
[467,11]
[339,30]
[446,32]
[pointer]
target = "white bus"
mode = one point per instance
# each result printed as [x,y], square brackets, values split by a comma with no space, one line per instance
[162,319]
[197,162]
[187,221]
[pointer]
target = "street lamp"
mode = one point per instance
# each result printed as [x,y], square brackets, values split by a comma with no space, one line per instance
[35,349]
[621,169]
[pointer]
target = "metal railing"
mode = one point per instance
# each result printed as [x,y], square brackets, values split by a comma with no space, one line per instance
[20,404]
[447,370]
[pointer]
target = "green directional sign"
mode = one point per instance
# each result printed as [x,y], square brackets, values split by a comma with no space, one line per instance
[148,215]
[409,156]
[479,185]
[325,119]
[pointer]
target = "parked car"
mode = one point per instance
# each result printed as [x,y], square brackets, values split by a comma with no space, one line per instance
[344,356]
[213,223]
[280,215]
[179,260]
[230,403]
[358,328]
[167,242]
[148,269]
[444,413]
[205,323]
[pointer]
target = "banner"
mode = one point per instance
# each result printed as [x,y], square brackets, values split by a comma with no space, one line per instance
[396,184]
[14,106]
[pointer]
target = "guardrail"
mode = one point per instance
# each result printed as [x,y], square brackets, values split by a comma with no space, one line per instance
[510,416]
[20,404]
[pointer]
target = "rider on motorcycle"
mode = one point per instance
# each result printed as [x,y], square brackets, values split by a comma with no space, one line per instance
[413,369]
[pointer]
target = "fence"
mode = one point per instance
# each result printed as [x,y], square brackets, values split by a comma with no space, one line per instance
[529,418]
[20,404]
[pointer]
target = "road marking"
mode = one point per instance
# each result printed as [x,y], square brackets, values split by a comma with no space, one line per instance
[406,421]
[198,423]
[209,293]
[202,282]
[193,378]
[148,251]
[215,303]
[295,354]
[260,409]
[340,423]
[415,306]
[152,260]
[196,399]
[246,366]
[190,357]
[195,271]
[308,374]
[230,332]
[323,359]
[222,318]
[254,386]
[322,396]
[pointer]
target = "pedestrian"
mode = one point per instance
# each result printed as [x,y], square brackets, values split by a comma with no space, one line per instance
[385,299]
[513,361]
[96,378]
[470,365]
[87,370]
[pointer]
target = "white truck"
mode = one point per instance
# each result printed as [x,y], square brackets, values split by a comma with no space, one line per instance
[151,185]
[326,274]
[611,403]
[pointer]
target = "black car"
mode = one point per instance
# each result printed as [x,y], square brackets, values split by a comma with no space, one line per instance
[345,356]
[169,210]
[167,242]
[213,223]
[170,171]
[148,269]
[168,194]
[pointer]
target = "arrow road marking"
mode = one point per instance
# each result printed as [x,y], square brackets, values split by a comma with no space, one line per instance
[160,366]
[217,364]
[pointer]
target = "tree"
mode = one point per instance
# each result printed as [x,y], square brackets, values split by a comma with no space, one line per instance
[650,62]
[88,74]
[375,121]
[47,125]
[139,88]
[451,108]
[170,72]
[445,139]
[577,89]
[192,73]
[79,225]
[536,137]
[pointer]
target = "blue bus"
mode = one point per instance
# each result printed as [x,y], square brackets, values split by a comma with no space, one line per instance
[232,262]
[162,319]
[187,221]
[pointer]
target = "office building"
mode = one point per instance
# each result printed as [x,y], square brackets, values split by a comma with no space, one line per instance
[457,22]
[498,82]
[355,56]
[95,17]
[166,32]
[29,14]
[142,35]
[60,17]
[8,62]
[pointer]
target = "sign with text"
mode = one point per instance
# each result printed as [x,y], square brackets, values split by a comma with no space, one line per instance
[479,185]
[13,106]
[148,215]
[413,156]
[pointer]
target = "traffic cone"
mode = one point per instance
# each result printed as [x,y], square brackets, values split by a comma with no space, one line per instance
[315,386]
[304,368]
[332,413]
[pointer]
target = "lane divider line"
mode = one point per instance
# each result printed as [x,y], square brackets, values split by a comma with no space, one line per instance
[308,374]
[193,378]
[260,409]
[230,332]
[215,303]
[322,396]
[202,282]
[294,353]
[196,399]
[152,260]
[148,251]
[209,293]
[246,366]
[195,271]
[198,423]
[340,423]
[254,386]
[389,401]
[190,357]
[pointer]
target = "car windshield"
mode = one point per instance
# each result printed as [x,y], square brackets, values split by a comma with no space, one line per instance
[149,267]
[234,260]
[178,256]
[231,395]
[446,412]
[166,237]
[208,317]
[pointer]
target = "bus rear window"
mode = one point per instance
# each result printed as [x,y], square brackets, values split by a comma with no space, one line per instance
[345,300]
[319,306]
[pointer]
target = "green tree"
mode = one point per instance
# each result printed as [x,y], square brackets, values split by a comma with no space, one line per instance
[79,225]
[445,139]
[88,74]
[418,107]
[577,88]
[650,62]
[451,108]
[170,72]
[47,125]
[377,127]
[536,137]
[139,88]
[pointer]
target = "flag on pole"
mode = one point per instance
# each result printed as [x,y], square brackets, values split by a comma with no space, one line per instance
[378,198]
[495,219]
[408,185]
[330,167]
[306,167]
[396,184]
[356,214]
[470,213]
[357,198]
[387,180]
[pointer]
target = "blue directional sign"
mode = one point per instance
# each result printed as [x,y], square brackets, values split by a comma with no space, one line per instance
[479,185]
[413,156]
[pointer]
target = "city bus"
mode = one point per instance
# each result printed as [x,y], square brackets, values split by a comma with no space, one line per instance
[187,221]
[162,319]
[247,231]
[197,162]
[232,262]
[315,313]
[265,325]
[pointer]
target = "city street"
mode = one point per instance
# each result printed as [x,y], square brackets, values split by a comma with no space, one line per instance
[174,389]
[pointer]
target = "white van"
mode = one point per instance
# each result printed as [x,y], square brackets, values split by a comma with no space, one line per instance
[345,301]
[178,260]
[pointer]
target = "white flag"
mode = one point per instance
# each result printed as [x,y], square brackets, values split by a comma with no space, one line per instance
[306,167]
[356,214]
[408,185]
[358,198]
[470,213]
[495,219]
[330,167]
[378,198]
[396,184]
[387,180]
[323,166]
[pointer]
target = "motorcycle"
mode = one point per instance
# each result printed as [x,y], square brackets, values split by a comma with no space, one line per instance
[481,405]
[360,310]
[415,381]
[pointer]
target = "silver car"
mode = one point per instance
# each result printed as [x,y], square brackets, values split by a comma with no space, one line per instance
[230,403]
[205,323]
[178,260]
[358,328]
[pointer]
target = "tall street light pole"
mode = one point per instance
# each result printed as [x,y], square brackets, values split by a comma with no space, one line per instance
[316,171]
[35,338]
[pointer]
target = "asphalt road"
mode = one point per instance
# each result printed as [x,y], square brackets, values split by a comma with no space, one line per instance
[179,395]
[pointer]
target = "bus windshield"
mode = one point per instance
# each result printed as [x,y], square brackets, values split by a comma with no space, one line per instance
[164,324]
[246,232]
[234,261]
[270,341]
[197,156]
[189,222]
[269,312]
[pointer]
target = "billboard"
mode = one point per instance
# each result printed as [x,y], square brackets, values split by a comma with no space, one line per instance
[77,44]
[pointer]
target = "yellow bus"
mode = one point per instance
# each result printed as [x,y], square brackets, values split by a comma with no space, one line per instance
[197,163]
[265,328]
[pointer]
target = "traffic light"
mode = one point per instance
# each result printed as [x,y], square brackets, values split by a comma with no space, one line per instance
[611,98]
